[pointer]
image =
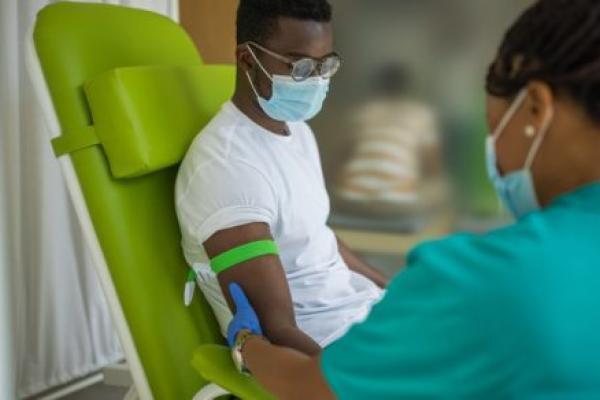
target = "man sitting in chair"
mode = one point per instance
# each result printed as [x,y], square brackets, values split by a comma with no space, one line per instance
[250,194]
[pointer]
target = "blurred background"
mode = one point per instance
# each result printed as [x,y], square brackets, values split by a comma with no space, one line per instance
[402,134]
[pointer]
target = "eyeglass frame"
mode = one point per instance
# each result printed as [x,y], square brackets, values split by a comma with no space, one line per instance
[318,63]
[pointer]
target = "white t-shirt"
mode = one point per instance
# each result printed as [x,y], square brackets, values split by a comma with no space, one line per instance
[237,172]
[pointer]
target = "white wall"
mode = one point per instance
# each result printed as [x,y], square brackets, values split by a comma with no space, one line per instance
[7,123]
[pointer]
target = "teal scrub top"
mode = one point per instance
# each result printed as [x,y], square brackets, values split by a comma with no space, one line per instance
[513,313]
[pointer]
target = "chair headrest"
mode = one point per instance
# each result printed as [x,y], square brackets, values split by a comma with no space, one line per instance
[146,117]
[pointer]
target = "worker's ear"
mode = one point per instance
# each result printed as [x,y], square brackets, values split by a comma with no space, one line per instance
[540,102]
[245,61]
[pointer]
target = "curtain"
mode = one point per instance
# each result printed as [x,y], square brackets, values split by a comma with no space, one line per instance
[59,326]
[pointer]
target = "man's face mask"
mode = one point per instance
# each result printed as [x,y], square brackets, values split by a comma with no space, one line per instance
[299,96]
[516,189]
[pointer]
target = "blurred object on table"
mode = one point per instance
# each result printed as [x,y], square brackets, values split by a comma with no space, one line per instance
[395,166]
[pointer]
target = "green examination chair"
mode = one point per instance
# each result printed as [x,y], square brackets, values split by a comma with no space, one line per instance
[124,92]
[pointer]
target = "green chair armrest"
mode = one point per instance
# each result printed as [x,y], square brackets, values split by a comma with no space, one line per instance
[214,363]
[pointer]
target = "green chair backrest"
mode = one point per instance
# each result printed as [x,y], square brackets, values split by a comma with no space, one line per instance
[133,216]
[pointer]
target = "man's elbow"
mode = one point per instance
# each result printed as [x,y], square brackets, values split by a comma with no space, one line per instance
[289,335]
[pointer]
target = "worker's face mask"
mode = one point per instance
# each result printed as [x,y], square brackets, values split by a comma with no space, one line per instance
[292,101]
[516,189]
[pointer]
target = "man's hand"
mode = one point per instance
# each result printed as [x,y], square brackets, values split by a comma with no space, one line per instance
[244,316]
[356,264]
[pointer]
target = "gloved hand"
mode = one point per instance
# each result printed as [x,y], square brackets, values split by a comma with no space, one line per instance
[244,317]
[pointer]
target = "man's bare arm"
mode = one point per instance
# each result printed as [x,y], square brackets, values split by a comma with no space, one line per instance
[264,281]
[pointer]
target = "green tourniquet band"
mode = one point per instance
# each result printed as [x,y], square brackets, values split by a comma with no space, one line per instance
[191,277]
[243,253]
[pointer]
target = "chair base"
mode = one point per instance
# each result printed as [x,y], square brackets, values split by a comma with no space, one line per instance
[210,392]
[131,394]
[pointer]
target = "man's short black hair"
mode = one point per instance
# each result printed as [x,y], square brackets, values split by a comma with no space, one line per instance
[256,19]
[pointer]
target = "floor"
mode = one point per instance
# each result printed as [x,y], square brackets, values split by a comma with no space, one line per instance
[98,392]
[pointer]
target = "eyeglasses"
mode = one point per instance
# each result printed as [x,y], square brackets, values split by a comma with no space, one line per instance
[304,68]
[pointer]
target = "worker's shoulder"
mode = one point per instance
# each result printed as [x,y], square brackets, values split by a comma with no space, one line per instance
[528,237]
[465,249]
[482,259]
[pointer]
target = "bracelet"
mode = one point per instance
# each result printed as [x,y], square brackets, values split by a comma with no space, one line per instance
[247,336]
[240,342]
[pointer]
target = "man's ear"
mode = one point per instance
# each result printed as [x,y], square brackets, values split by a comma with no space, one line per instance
[540,102]
[245,61]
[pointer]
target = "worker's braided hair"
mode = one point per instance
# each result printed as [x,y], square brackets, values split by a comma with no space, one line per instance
[556,42]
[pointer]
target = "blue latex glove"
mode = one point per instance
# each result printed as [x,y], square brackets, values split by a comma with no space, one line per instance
[244,317]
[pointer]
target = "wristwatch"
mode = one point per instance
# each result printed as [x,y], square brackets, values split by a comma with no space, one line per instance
[236,351]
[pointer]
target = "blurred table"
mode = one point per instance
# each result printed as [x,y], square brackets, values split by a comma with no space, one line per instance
[369,239]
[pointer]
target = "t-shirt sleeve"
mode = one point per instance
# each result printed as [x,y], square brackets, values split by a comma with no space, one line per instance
[225,195]
[425,339]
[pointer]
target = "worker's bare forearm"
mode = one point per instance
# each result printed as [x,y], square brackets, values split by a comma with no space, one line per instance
[357,264]
[286,373]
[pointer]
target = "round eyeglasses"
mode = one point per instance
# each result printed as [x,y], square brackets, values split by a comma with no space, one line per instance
[306,67]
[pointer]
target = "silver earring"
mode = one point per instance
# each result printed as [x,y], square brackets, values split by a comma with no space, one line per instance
[530,131]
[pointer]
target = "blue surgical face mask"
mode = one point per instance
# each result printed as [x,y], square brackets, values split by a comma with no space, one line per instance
[292,101]
[516,189]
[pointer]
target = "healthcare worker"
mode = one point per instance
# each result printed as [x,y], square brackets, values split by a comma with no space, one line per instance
[514,313]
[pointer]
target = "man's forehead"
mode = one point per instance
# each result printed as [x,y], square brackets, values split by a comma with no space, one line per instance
[292,36]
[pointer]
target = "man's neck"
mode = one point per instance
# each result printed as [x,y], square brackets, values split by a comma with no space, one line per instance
[253,111]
